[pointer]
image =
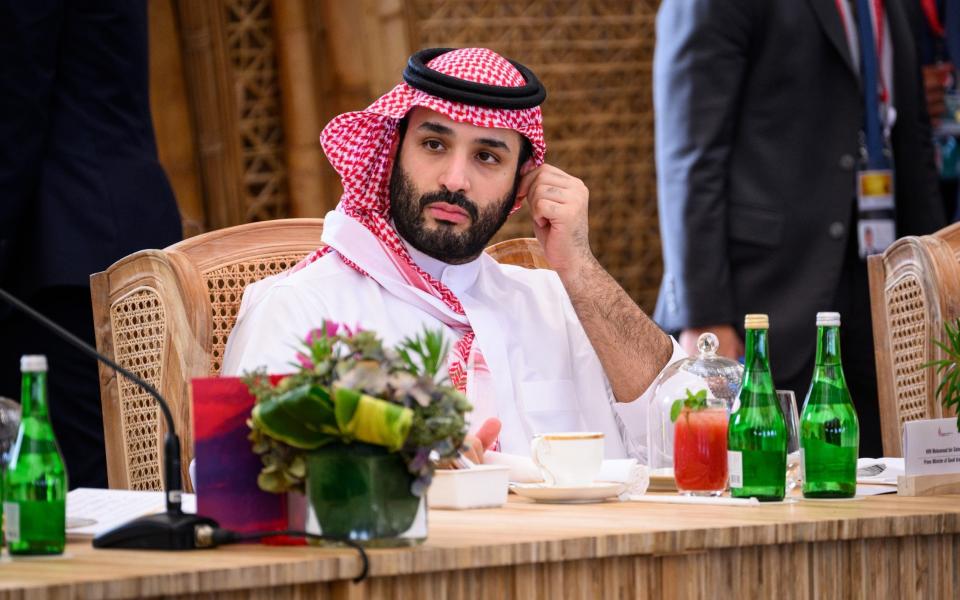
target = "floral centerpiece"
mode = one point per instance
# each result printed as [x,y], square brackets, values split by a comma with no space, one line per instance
[358,428]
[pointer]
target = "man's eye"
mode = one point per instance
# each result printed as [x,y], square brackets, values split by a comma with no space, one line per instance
[433,145]
[487,157]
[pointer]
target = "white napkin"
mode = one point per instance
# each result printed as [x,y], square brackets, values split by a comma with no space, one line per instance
[892,468]
[623,470]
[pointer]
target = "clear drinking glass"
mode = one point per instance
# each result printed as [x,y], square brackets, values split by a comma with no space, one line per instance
[9,426]
[788,405]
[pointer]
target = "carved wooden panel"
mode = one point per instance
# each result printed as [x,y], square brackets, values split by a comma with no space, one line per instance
[594,56]
[256,88]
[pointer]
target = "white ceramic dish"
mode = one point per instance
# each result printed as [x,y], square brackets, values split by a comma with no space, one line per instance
[598,491]
[483,486]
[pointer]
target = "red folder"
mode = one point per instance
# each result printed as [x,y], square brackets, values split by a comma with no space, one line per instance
[226,467]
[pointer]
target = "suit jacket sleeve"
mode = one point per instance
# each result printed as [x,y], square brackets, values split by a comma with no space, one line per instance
[701,60]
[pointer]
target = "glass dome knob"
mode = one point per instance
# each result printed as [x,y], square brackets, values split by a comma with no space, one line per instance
[707,343]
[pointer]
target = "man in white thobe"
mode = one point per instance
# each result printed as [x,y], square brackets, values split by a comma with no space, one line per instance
[431,171]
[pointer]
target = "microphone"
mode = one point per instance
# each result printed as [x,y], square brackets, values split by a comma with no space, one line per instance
[169,530]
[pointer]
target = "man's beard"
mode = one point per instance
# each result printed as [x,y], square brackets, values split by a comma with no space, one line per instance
[444,243]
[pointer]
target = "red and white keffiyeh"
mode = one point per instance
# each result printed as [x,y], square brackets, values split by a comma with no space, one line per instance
[359,144]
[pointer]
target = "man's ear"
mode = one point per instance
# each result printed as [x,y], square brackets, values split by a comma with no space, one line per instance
[394,148]
[392,153]
[527,167]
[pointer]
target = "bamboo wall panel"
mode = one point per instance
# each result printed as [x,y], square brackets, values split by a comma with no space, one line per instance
[213,106]
[176,143]
[298,41]
[594,56]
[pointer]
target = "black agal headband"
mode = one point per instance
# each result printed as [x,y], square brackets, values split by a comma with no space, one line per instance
[418,75]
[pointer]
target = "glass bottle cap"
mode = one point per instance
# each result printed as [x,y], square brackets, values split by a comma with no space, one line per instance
[756,321]
[33,363]
[828,319]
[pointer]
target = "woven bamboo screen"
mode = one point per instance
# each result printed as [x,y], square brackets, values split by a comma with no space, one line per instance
[253,62]
[233,83]
[594,56]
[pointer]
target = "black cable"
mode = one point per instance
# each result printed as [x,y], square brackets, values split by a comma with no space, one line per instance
[225,536]
[82,346]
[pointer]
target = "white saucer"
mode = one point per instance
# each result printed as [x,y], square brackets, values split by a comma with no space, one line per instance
[597,491]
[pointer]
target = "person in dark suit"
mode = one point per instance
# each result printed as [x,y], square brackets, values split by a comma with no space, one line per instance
[80,187]
[759,110]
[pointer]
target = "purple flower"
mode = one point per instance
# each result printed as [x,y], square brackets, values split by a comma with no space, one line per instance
[420,460]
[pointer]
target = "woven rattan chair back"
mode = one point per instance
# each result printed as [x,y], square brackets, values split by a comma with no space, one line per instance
[914,290]
[166,315]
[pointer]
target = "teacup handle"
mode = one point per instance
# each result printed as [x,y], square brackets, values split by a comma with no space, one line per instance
[537,446]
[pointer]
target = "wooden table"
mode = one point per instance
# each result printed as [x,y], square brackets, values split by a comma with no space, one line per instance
[877,547]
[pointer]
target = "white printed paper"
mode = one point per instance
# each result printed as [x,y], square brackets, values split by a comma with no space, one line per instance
[931,447]
[98,510]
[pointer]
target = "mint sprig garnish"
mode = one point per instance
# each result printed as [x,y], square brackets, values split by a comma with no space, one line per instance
[693,401]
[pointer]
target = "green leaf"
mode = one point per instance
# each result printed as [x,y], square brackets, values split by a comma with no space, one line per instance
[372,420]
[296,417]
[697,401]
[425,353]
[675,409]
[948,367]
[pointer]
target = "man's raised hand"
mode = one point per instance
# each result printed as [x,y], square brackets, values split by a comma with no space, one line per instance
[558,203]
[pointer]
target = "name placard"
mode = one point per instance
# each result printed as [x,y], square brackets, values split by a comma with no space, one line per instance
[931,447]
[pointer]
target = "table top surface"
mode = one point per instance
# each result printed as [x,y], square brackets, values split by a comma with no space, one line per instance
[521,532]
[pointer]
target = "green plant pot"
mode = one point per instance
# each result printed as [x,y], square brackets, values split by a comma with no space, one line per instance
[362,493]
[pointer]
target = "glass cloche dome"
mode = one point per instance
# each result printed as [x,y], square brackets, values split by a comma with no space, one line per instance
[719,376]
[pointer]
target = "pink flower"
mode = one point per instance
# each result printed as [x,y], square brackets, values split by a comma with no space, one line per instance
[305,361]
[329,330]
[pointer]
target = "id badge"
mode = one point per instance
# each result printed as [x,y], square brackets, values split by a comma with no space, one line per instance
[876,228]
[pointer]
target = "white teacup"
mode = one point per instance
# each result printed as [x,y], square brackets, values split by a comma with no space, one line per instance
[568,459]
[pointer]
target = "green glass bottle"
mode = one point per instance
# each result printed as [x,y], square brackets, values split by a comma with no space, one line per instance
[829,430]
[34,505]
[757,435]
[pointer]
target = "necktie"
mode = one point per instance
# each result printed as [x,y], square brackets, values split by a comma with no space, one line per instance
[869,69]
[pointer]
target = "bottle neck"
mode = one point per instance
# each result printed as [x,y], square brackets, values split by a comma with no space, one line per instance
[33,394]
[828,346]
[756,356]
[757,381]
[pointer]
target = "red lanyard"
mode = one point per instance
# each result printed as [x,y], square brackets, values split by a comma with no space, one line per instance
[933,17]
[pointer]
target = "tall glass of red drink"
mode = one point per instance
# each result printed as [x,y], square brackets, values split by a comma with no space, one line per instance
[700,451]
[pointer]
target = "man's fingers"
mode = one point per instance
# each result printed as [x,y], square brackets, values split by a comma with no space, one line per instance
[473,455]
[546,210]
[527,180]
[489,432]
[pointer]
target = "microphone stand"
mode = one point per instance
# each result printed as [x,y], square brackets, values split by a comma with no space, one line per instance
[169,530]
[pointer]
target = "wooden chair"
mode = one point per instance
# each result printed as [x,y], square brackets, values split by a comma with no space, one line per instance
[167,314]
[914,290]
[523,252]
